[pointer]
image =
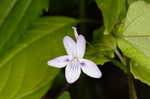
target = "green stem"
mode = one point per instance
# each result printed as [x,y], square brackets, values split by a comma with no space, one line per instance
[126,62]
[132,90]
[119,64]
[123,61]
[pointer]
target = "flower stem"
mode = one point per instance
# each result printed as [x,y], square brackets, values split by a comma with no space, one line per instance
[126,62]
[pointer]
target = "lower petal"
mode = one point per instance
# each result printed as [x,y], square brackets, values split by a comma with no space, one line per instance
[59,62]
[90,68]
[72,71]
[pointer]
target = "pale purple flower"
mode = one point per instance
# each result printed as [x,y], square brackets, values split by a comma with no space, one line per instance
[74,61]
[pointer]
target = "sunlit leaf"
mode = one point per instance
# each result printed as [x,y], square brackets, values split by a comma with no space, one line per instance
[132,1]
[15,17]
[24,73]
[136,40]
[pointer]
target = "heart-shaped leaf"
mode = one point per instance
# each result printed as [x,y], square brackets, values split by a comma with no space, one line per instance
[135,43]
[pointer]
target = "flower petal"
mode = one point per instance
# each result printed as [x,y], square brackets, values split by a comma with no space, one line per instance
[90,68]
[72,71]
[69,45]
[81,46]
[59,62]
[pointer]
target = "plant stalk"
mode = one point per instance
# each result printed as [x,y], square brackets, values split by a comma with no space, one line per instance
[131,85]
[132,90]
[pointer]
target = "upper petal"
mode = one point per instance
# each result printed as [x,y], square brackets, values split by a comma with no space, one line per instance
[81,46]
[59,62]
[90,68]
[69,45]
[72,71]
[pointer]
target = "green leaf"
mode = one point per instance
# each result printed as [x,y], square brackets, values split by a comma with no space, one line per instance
[16,16]
[132,1]
[24,73]
[136,40]
[65,95]
[111,9]
[102,48]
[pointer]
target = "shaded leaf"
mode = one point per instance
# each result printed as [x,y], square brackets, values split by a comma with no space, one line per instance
[111,9]
[56,7]
[102,48]
[65,95]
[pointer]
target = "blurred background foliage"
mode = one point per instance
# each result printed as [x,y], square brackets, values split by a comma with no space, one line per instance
[28,32]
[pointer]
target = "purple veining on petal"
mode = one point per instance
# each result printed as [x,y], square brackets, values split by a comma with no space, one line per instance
[82,64]
[67,60]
